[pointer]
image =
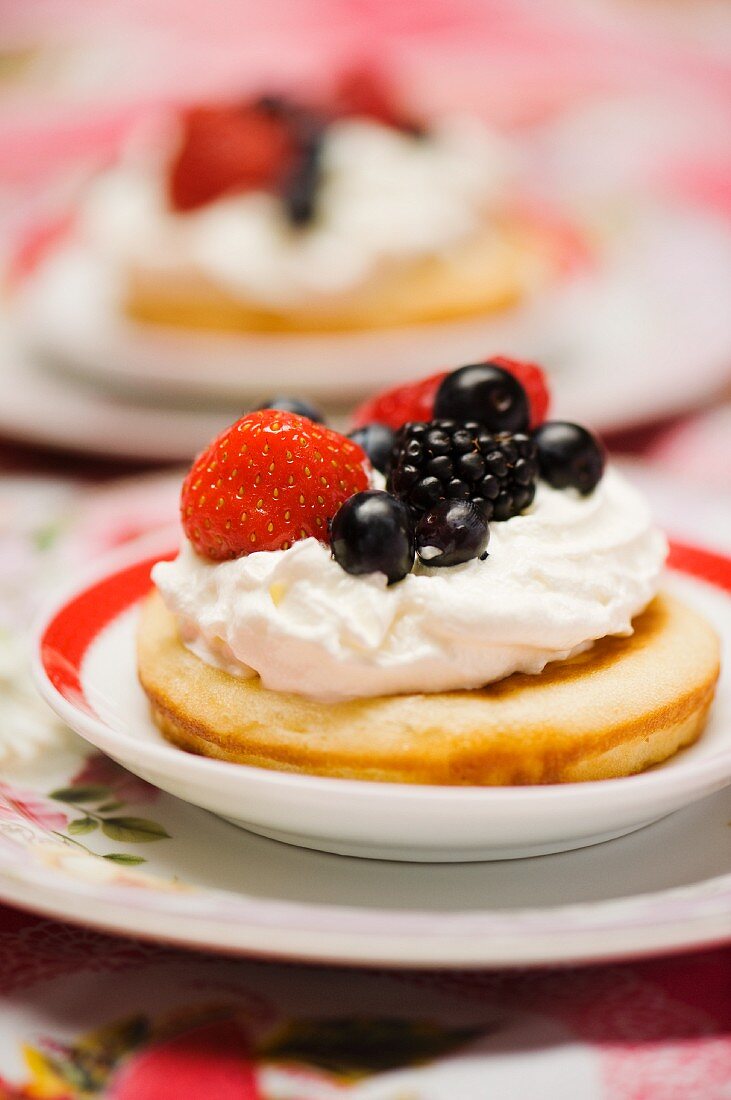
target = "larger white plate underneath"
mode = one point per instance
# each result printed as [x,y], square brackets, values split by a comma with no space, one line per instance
[209,884]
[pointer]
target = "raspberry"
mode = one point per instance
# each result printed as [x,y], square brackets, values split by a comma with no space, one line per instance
[533,381]
[415,400]
[270,479]
[447,460]
[394,407]
[367,93]
[225,149]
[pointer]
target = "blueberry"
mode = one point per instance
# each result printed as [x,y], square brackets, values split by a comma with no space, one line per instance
[292,405]
[372,533]
[486,393]
[569,457]
[377,441]
[453,532]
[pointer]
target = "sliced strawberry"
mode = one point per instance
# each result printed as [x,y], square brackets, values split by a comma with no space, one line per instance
[270,479]
[415,400]
[225,150]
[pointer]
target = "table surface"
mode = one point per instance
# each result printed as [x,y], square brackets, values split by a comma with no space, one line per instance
[149,1021]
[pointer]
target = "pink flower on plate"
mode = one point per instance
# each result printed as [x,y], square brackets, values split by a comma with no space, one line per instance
[99,771]
[32,807]
[211,1060]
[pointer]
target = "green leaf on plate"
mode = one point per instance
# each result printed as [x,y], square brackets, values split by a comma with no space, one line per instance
[80,794]
[122,857]
[45,537]
[133,830]
[82,825]
[358,1047]
[109,806]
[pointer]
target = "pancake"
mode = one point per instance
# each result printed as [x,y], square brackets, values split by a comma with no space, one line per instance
[491,272]
[620,707]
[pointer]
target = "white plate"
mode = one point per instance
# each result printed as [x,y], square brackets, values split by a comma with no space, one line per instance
[86,670]
[42,407]
[644,335]
[213,886]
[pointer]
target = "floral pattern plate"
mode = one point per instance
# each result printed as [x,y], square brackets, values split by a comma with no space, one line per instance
[82,839]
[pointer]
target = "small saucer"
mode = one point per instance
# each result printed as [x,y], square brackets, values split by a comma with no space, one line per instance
[85,667]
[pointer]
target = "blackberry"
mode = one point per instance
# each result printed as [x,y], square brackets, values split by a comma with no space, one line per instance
[449,460]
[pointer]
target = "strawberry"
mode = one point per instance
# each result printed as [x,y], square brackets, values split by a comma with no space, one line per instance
[225,149]
[415,400]
[533,381]
[366,93]
[270,479]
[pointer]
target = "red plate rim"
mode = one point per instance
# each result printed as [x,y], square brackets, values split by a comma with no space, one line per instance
[74,626]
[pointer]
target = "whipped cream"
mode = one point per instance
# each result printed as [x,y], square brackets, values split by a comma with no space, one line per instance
[384,196]
[571,570]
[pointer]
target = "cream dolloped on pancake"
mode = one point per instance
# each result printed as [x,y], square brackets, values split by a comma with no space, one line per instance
[463,573]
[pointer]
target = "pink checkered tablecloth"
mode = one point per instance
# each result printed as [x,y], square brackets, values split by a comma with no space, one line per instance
[84,1015]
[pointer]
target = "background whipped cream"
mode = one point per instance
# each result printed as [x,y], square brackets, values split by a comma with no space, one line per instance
[384,196]
[571,570]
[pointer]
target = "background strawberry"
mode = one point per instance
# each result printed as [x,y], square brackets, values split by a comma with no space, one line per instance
[225,149]
[272,478]
[415,400]
[365,92]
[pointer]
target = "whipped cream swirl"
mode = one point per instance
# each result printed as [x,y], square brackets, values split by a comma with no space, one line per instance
[571,570]
[384,196]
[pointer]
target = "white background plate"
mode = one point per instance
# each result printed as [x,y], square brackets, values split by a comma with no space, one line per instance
[647,337]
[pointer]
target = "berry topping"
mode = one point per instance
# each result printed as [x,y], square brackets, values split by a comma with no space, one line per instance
[365,92]
[394,407]
[300,187]
[452,532]
[569,457]
[533,381]
[373,533]
[292,405]
[225,149]
[415,401]
[447,460]
[377,441]
[270,479]
[484,392]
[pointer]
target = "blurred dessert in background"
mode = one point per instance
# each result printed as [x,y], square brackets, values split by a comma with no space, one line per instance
[277,214]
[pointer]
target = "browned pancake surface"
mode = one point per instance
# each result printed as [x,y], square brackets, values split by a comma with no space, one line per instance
[624,705]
